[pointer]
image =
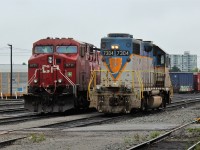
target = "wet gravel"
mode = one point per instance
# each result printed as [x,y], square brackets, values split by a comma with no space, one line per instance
[114,135]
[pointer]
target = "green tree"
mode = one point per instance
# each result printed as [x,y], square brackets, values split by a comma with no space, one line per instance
[23,63]
[195,70]
[175,69]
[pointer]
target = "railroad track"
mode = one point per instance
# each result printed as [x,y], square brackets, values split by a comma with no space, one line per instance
[85,121]
[10,141]
[20,118]
[95,120]
[183,103]
[105,119]
[11,100]
[101,118]
[162,137]
[11,105]
[13,110]
[194,145]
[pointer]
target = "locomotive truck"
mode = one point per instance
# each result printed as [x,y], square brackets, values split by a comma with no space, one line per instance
[58,74]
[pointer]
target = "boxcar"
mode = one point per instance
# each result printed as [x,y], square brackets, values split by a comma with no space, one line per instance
[182,82]
[197,82]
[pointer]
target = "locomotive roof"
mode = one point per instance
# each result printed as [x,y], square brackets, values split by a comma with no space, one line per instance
[57,41]
[126,35]
[157,48]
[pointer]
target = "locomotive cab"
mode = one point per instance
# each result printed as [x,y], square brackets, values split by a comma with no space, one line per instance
[58,72]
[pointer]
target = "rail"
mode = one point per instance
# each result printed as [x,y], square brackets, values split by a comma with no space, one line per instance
[193,146]
[161,137]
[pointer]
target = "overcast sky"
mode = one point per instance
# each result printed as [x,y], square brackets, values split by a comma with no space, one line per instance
[174,25]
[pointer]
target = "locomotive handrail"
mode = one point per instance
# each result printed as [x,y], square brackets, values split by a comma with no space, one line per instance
[90,82]
[71,82]
[136,73]
[33,77]
[93,77]
[141,84]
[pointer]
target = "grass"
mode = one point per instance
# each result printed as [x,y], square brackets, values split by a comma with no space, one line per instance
[37,138]
[197,147]
[137,137]
[192,130]
[128,141]
[154,134]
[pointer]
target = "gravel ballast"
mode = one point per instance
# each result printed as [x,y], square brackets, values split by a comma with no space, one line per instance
[116,135]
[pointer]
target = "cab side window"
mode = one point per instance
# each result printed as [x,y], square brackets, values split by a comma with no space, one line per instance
[136,48]
[161,60]
[82,51]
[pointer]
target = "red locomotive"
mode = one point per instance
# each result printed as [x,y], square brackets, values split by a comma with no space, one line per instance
[59,73]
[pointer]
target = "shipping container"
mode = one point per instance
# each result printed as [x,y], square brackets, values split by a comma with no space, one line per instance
[197,82]
[182,82]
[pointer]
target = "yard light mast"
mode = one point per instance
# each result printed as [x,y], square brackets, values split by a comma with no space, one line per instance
[10,70]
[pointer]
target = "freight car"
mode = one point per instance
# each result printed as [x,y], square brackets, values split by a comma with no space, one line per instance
[182,82]
[58,74]
[134,75]
[197,82]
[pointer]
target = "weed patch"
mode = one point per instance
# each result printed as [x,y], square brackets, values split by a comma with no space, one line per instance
[37,138]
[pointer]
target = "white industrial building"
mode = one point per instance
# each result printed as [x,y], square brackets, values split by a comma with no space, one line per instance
[19,80]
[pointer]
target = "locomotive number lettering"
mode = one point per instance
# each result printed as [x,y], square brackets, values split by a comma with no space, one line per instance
[49,69]
[122,53]
[108,53]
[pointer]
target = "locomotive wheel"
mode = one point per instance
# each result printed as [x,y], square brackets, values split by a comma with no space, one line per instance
[76,103]
[164,103]
[143,105]
[81,102]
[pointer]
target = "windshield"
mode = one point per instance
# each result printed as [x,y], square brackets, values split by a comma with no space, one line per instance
[67,49]
[43,49]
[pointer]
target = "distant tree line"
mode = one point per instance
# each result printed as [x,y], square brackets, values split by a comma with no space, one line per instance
[176,69]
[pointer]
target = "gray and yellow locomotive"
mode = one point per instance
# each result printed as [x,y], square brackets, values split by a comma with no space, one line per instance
[134,74]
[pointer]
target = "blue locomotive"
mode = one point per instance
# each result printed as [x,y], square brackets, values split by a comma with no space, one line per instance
[134,74]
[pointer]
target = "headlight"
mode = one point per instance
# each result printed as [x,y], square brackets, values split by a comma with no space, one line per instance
[98,88]
[59,80]
[50,59]
[114,46]
[35,81]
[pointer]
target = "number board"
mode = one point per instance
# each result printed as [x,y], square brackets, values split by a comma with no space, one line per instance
[118,53]
[108,53]
[122,53]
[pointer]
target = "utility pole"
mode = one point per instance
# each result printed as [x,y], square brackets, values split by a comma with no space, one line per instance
[10,70]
